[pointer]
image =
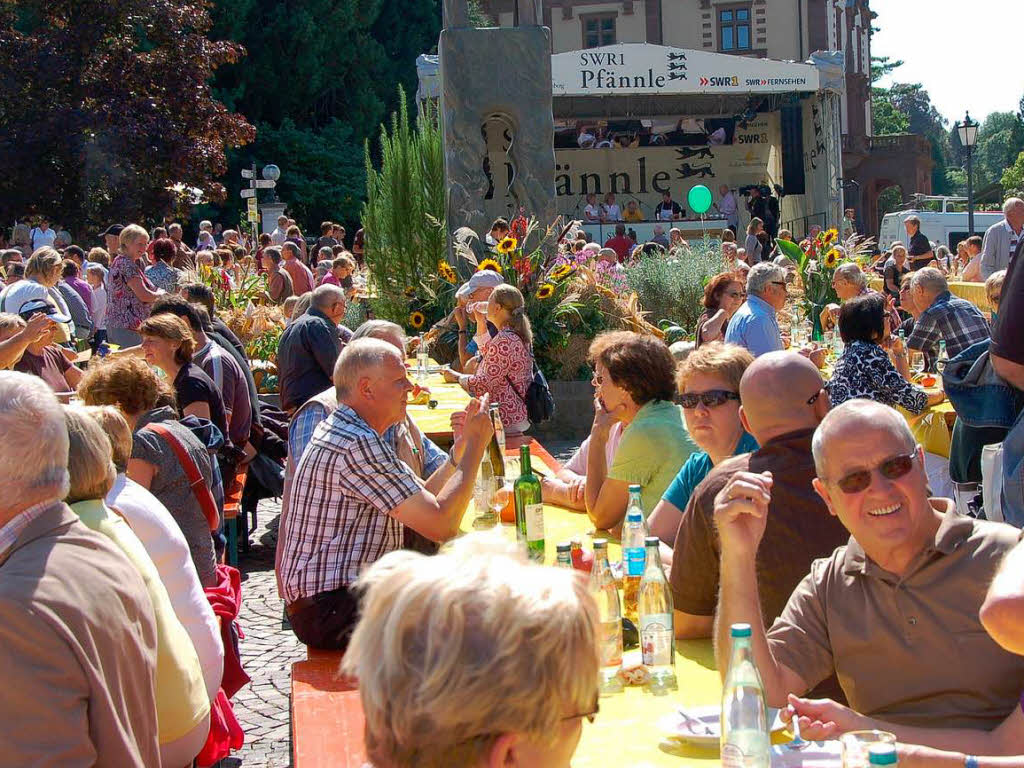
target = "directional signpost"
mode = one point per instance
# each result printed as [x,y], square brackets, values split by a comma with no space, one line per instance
[250,196]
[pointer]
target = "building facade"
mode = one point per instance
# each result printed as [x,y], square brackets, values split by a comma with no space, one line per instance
[776,29]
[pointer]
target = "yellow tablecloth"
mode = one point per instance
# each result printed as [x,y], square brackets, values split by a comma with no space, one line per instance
[626,731]
[931,428]
[973,292]
[436,422]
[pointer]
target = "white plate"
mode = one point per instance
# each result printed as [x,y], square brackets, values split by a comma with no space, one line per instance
[675,726]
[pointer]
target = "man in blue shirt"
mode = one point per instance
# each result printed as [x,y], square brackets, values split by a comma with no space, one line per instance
[754,325]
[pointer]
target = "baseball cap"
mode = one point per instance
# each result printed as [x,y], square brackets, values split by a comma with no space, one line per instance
[113,230]
[485,278]
[36,306]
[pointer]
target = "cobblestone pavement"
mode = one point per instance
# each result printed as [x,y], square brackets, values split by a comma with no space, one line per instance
[270,648]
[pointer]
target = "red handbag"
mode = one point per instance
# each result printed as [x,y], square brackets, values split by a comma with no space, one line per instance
[195,477]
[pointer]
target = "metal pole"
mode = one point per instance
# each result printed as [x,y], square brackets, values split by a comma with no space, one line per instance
[970,194]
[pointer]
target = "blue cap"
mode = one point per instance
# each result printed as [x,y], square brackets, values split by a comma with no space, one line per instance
[634,517]
[635,488]
[740,630]
[882,754]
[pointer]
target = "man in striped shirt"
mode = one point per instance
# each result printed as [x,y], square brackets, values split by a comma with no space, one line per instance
[351,495]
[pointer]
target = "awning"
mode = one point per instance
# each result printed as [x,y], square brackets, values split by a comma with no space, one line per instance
[639,68]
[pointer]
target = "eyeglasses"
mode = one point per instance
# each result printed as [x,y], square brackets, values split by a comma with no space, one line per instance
[814,398]
[736,294]
[779,282]
[995,297]
[890,469]
[590,716]
[713,398]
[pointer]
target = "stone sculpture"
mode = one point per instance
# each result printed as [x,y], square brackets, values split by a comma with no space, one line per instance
[501,75]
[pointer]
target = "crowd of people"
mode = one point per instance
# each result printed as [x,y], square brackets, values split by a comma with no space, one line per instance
[785,489]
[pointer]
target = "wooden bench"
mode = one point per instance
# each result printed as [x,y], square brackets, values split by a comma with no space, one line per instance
[327,714]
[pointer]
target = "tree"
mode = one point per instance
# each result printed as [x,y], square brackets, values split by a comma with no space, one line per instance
[105,104]
[313,63]
[1000,141]
[1013,179]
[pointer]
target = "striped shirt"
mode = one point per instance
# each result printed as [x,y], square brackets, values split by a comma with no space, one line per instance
[346,484]
[15,526]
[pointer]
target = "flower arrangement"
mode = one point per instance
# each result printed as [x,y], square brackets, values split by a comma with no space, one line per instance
[817,259]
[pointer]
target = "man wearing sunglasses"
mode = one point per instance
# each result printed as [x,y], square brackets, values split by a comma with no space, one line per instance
[755,325]
[894,613]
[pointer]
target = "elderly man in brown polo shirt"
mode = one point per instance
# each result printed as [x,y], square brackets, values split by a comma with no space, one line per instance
[894,613]
[783,400]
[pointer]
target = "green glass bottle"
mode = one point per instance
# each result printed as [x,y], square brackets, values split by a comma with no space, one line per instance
[529,508]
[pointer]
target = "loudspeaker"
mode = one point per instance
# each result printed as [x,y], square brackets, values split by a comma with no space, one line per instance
[792,121]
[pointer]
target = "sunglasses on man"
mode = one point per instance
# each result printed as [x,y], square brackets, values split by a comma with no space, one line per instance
[890,469]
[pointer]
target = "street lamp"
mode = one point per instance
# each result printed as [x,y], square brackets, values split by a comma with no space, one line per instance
[968,132]
[271,173]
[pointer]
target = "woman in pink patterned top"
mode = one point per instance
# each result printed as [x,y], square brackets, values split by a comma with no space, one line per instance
[129,292]
[507,366]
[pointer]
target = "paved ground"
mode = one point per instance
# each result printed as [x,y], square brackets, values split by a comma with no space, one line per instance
[269,647]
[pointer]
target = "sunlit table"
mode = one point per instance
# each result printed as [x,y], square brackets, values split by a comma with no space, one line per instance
[973,292]
[625,732]
[436,422]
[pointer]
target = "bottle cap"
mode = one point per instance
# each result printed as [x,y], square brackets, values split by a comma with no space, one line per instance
[652,541]
[600,544]
[634,517]
[565,546]
[740,630]
[634,488]
[882,754]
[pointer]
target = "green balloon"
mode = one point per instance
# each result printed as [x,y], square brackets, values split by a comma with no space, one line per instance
[699,199]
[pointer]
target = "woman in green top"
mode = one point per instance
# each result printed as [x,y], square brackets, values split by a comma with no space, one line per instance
[634,383]
[709,385]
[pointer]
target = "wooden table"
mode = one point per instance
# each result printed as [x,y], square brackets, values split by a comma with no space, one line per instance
[436,422]
[626,731]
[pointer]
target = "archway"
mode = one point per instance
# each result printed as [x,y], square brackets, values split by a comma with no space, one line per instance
[882,196]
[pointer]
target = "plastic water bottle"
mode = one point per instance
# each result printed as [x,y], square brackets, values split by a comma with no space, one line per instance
[563,555]
[657,637]
[942,352]
[602,586]
[422,360]
[745,739]
[634,532]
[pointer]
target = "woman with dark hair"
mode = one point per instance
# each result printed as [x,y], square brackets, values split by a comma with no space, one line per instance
[865,369]
[506,369]
[723,295]
[634,383]
[162,274]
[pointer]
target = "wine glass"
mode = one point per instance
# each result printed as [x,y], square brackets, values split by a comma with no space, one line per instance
[483,495]
[916,361]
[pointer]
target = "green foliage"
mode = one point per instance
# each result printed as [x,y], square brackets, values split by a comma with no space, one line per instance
[671,286]
[104,104]
[321,72]
[1013,179]
[1000,140]
[404,211]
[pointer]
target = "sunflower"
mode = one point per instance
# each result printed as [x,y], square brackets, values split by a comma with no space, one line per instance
[490,264]
[446,272]
[831,259]
[561,272]
[830,236]
[507,245]
[417,319]
[545,291]
[410,291]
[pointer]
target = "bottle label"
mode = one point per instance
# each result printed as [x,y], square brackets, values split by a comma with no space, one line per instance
[634,559]
[611,644]
[656,639]
[534,514]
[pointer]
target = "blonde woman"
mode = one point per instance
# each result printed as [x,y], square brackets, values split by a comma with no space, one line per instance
[42,273]
[432,699]
[129,291]
[506,370]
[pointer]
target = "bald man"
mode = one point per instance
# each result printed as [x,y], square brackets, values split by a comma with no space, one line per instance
[894,613]
[783,400]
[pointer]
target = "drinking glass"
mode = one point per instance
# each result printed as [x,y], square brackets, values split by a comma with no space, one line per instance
[483,496]
[854,746]
[501,502]
[916,361]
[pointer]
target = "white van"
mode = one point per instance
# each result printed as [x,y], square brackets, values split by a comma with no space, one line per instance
[943,221]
